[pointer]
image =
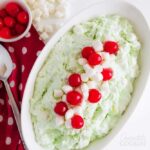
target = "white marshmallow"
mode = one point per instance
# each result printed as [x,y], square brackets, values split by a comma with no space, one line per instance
[87,67]
[58,93]
[44,35]
[59,120]
[105,86]
[59,14]
[60,11]
[51,8]
[105,56]
[85,91]
[60,1]
[67,88]
[69,114]
[68,124]
[52,1]
[49,28]
[84,87]
[108,37]
[98,68]
[39,27]
[78,30]
[84,77]
[78,110]
[91,84]
[47,9]
[97,77]
[82,61]
[31,2]
[37,19]
[97,45]
[64,98]
[78,90]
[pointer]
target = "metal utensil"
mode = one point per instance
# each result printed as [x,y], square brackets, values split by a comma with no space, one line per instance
[6,67]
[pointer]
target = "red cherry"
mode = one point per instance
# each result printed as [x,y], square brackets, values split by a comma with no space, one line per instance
[75,80]
[94,96]
[5,33]
[77,122]
[23,17]
[12,9]
[111,47]
[61,108]
[87,51]
[74,98]
[95,59]
[9,21]
[19,28]
[107,74]
[1,23]
[3,13]
[13,32]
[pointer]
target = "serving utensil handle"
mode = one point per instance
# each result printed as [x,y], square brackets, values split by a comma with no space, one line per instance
[15,111]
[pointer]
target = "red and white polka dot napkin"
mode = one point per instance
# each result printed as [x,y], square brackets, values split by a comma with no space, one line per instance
[23,54]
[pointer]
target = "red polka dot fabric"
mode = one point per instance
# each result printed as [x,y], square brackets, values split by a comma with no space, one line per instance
[23,53]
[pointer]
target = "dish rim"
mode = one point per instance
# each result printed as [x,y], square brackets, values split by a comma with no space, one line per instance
[41,59]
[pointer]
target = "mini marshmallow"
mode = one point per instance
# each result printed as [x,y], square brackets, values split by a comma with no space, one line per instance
[37,19]
[39,27]
[97,45]
[78,90]
[69,114]
[37,13]
[84,77]
[67,88]
[84,87]
[68,124]
[64,98]
[87,67]
[109,37]
[98,68]
[44,35]
[59,120]
[59,14]
[31,2]
[91,84]
[91,73]
[78,30]
[60,1]
[47,9]
[49,28]
[58,93]
[51,9]
[60,11]
[105,86]
[85,95]
[97,77]
[78,110]
[82,61]
[52,1]
[105,56]
[85,91]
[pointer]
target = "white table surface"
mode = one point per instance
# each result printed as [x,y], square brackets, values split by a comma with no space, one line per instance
[135,135]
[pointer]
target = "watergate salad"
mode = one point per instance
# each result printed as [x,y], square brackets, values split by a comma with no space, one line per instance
[85,84]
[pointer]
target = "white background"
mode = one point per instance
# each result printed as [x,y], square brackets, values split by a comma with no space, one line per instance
[135,135]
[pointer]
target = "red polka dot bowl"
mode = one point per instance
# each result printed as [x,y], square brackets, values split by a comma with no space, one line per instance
[14,24]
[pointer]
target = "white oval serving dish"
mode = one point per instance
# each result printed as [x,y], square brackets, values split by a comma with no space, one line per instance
[125,9]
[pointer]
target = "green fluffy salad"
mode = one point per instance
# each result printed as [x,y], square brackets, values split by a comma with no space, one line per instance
[55,132]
